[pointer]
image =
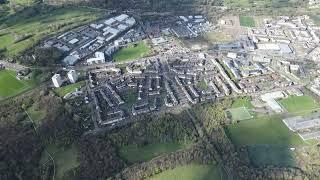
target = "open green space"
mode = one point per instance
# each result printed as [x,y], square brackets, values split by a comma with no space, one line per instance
[277,155]
[130,97]
[242,102]
[36,114]
[26,28]
[64,159]
[62,91]
[11,86]
[192,172]
[263,130]
[247,21]
[131,52]
[202,85]
[239,114]
[299,105]
[133,153]
[218,37]
[260,3]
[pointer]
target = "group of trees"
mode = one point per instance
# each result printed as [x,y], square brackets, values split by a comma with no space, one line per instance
[164,129]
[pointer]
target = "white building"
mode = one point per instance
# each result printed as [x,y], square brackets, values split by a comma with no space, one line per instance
[57,81]
[98,59]
[72,75]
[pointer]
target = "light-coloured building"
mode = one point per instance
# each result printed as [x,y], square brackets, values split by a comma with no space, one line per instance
[98,59]
[72,76]
[56,80]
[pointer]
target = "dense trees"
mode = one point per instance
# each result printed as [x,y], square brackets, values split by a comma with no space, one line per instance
[98,158]
[164,129]
[20,151]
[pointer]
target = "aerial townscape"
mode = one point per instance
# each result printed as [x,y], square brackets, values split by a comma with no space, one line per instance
[167,89]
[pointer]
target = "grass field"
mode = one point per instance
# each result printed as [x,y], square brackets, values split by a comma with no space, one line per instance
[35,27]
[132,153]
[277,155]
[192,172]
[130,97]
[218,37]
[299,105]
[65,159]
[239,114]
[132,51]
[62,91]
[263,130]
[247,21]
[260,3]
[242,102]
[10,86]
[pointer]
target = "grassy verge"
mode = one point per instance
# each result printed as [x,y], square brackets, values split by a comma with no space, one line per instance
[132,51]
[192,172]
[133,153]
[62,91]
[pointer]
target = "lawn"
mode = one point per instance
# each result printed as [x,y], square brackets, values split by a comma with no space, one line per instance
[133,153]
[62,91]
[202,85]
[131,52]
[299,105]
[192,172]
[242,102]
[130,97]
[65,159]
[247,21]
[263,130]
[277,155]
[10,86]
[31,28]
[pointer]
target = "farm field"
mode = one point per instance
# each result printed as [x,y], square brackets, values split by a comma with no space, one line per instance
[24,29]
[62,91]
[247,21]
[65,159]
[299,105]
[132,153]
[132,51]
[263,130]
[192,172]
[10,86]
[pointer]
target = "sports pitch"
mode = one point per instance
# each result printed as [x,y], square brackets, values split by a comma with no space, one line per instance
[9,85]
[238,114]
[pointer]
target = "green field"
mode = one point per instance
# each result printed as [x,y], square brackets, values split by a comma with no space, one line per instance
[192,172]
[247,21]
[202,85]
[10,86]
[299,105]
[65,159]
[24,29]
[277,155]
[263,130]
[130,97]
[260,3]
[133,153]
[62,91]
[131,52]
[242,102]
[239,114]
